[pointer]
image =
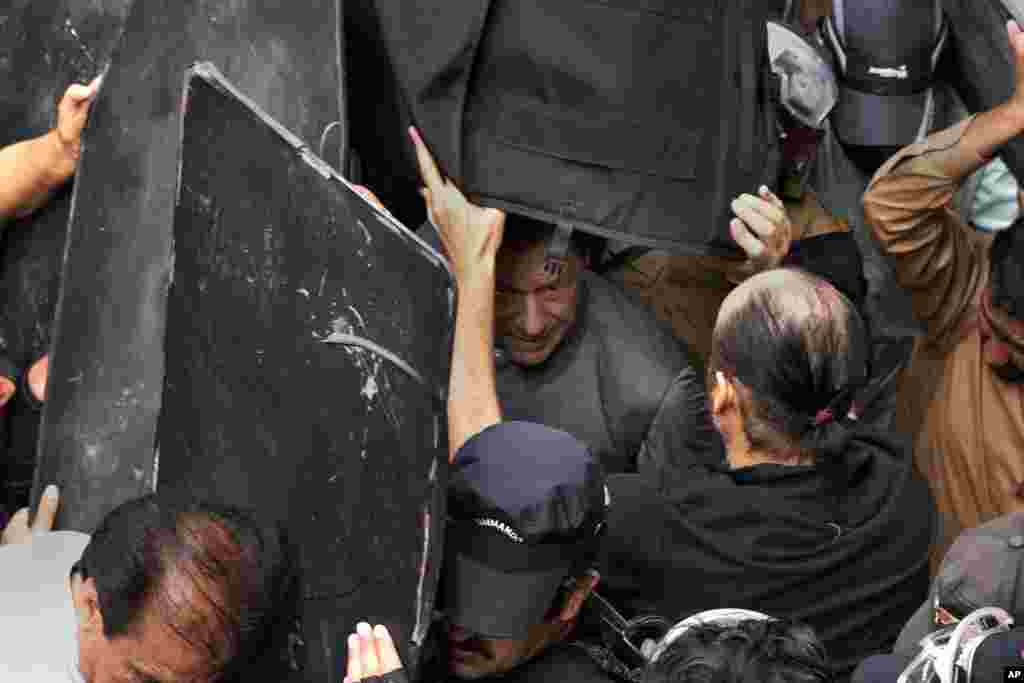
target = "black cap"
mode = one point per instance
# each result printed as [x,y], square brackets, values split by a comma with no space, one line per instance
[526,507]
[983,568]
[886,52]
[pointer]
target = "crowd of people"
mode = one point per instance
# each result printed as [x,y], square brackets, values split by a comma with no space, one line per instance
[675,469]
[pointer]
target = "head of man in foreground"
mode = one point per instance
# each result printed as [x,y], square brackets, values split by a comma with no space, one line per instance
[527,505]
[173,590]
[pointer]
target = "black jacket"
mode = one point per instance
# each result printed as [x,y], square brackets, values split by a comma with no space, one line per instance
[618,381]
[560,663]
[771,538]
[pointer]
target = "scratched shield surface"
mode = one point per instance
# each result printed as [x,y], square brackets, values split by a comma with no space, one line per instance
[44,46]
[106,374]
[306,363]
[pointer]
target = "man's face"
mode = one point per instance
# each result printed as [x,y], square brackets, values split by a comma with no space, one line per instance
[471,657]
[154,653]
[534,310]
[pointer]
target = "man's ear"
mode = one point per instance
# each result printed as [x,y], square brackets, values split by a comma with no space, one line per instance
[574,601]
[87,605]
[723,395]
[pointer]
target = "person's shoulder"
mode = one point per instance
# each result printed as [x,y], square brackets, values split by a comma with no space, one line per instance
[623,322]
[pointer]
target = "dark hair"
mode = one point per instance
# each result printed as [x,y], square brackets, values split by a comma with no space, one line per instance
[522,232]
[241,575]
[1006,270]
[799,372]
[766,651]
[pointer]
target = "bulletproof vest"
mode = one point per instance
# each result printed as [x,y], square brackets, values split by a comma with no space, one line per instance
[590,386]
[638,120]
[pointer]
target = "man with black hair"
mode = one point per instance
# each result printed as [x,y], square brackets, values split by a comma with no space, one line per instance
[574,352]
[167,589]
[735,646]
[961,398]
[526,502]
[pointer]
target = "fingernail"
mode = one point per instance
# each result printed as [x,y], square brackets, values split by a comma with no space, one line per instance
[380,631]
[414,134]
[23,512]
[50,491]
[765,190]
[353,641]
[363,629]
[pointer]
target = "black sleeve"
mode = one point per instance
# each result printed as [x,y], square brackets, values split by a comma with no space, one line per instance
[681,441]
[8,368]
[982,67]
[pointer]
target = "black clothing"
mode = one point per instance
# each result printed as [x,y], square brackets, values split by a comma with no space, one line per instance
[396,676]
[617,380]
[596,127]
[774,538]
[882,668]
[560,663]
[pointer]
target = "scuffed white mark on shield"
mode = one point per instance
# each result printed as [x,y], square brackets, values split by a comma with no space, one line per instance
[370,388]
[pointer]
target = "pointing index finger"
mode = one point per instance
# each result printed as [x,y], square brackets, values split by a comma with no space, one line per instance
[428,168]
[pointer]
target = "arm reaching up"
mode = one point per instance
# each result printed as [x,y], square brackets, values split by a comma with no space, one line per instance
[31,170]
[471,235]
[939,260]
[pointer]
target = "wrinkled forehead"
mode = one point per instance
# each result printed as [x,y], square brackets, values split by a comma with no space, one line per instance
[181,636]
[156,652]
[522,266]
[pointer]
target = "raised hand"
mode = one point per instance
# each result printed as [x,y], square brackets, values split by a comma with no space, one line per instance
[371,652]
[471,234]
[762,229]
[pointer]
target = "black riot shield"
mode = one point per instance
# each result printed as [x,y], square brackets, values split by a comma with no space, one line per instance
[44,46]
[106,375]
[306,363]
[633,119]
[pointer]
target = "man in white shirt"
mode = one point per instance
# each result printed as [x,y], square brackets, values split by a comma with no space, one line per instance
[166,590]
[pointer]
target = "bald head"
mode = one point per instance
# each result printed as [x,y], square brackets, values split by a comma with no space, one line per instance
[794,294]
[796,345]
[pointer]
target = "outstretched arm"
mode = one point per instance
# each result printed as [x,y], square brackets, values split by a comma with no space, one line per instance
[939,260]
[471,236]
[31,170]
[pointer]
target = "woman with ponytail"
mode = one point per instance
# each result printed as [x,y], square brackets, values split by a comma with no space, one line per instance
[805,515]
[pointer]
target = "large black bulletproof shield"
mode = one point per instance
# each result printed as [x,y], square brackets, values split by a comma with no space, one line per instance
[633,119]
[106,375]
[307,349]
[44,47]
